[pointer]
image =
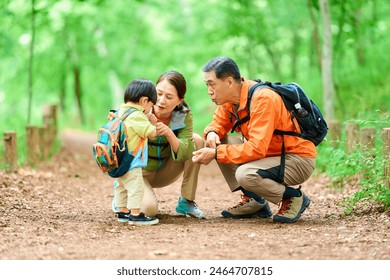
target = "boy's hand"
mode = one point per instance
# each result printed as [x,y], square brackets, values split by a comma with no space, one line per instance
[111,116]
[152,118]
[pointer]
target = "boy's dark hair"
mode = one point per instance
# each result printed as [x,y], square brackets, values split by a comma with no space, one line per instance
[139,88]
[223,67]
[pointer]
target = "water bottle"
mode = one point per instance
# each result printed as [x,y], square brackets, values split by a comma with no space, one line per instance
[301,112]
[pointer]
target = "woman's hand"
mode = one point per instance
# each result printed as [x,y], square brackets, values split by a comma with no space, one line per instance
[163,129]
[204,155]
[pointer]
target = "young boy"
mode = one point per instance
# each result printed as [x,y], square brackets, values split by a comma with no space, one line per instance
[141,95]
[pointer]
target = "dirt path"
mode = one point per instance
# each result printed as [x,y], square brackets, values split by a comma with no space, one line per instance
[61,210]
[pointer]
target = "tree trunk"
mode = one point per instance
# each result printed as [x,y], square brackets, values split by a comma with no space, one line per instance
[326,65]
[31,62]
[339,50]
[316,36]
[360,46]
[63,90]
[274,58]
[294,55]
[77,90]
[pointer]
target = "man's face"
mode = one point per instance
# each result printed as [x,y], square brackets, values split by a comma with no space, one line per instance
[217,89]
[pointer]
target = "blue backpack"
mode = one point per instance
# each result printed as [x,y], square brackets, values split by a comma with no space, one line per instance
[110,151]
[309,117]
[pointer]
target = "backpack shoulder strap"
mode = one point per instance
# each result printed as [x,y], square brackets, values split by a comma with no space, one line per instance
[251,90]
[127,113]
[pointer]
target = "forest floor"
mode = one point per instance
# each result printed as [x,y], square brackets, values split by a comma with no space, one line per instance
[61,210]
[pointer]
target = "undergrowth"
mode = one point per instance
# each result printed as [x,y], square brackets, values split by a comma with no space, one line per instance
[363,168]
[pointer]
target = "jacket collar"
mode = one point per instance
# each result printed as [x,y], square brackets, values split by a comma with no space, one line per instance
[244,93]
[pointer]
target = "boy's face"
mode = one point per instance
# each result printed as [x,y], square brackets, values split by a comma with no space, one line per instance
[147,106]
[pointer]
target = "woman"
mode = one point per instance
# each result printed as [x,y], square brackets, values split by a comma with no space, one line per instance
[171,150]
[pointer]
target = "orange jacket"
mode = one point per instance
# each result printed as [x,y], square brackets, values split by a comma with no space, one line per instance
[267,113]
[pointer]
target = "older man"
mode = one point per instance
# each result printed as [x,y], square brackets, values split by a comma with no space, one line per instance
[252,164]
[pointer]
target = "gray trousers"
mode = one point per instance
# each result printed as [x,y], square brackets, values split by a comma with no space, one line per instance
[298,169]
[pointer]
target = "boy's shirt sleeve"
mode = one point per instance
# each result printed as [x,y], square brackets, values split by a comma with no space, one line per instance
[140,125]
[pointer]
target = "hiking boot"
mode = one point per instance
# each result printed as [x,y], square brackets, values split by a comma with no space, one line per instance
[123,217]
[142,220]
[189,208]
[248,208]
[291,209]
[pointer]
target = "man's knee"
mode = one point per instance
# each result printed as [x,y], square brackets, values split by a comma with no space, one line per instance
[246,178]
[250,180]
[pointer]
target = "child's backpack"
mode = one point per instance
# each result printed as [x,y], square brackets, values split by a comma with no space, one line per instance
[309,117]
[110,151]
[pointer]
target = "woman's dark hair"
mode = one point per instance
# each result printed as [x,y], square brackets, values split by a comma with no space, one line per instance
[223,67]
[139,88]
[179,82]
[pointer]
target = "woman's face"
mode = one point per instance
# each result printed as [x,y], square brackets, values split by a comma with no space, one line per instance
[167,99]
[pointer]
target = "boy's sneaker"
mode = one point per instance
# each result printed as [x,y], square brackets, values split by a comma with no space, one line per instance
[189,208]
[248,208]
[291,209]
[142,220]
[123,217]
[113,206]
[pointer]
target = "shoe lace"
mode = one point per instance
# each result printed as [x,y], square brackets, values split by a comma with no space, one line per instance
[286,204]
[191,204]
[244,200]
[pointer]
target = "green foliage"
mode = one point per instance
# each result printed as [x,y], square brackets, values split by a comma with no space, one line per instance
[362,168]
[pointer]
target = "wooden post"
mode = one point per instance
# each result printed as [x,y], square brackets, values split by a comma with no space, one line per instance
[352,137]
[367,141]
[386,155]
[32,139]
[367,138]
[11,155]
[50,120]
[334,133]
[43,142]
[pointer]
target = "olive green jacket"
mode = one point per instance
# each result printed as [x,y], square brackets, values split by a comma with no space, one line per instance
[159,149]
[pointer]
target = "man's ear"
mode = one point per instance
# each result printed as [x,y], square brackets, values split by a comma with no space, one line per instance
[230,81]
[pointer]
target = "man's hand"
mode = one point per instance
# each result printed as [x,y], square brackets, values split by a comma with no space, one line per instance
[204,155]
[212,140]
